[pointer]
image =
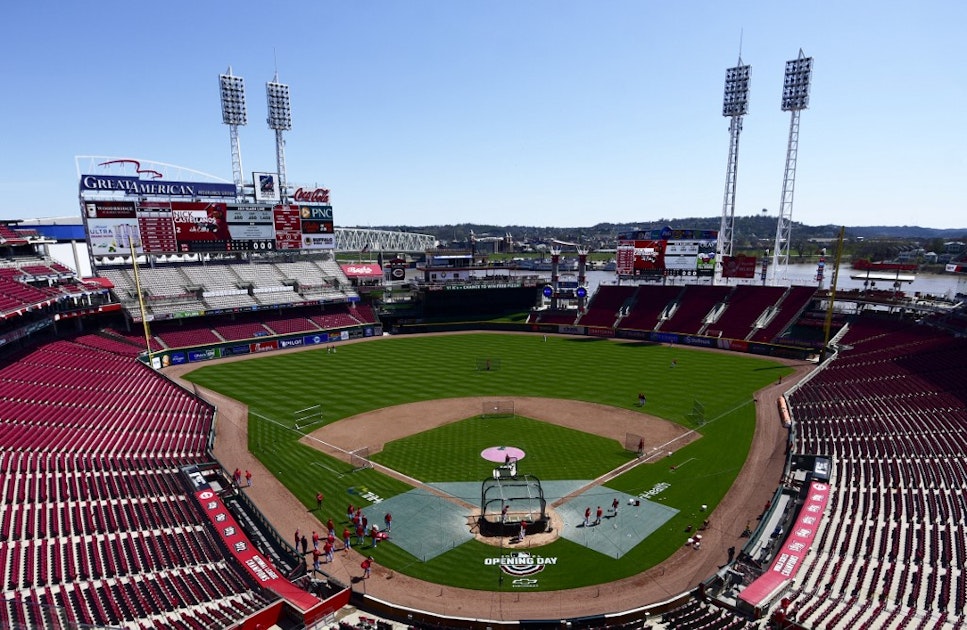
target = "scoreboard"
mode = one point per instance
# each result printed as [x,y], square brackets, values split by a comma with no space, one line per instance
[666,252]
[156,226]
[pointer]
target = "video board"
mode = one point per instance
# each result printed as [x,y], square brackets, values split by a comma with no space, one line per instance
[738,266]
[666,252]
[690,256]
[640,258]
[116,227]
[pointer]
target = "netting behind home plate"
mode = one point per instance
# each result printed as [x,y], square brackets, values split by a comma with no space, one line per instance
[523,498]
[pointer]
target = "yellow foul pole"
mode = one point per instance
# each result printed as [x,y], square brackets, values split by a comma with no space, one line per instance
[144,310]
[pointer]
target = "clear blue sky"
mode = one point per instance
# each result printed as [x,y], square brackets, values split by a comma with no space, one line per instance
[523,112]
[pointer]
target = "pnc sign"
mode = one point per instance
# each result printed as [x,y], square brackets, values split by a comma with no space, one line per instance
[316,212]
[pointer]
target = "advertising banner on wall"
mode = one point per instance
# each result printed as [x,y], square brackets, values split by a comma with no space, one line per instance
[112,227]
[706,257]
[362,270]
[790,556]
[114,237]
[137,187]
[738,266]
[318,196]
[318,231]
[266,186]
[234,539]
[321,241]
[109,210]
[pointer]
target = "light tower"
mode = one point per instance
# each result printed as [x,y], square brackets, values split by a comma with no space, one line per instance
[734,105]
[280,119]
[795,98]
[233,115]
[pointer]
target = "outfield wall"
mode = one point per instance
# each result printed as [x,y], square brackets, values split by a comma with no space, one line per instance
[655,336]
[181,356]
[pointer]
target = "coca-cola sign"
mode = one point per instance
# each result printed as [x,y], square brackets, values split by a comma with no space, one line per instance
[318,195]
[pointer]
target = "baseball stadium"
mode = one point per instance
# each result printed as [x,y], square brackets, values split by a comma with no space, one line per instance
[210,419]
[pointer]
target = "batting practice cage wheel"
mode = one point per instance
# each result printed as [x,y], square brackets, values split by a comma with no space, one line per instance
[523,498]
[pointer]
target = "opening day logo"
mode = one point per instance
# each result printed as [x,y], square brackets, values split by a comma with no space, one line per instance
[520,563]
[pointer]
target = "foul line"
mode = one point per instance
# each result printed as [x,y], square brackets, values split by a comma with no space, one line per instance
[656,451]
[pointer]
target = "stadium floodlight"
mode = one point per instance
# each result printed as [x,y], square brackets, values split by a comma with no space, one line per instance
[795,98]
[280,119]
[736,101]
[280,112]
[233,115]
[233,99]
[795,88]
[735,105]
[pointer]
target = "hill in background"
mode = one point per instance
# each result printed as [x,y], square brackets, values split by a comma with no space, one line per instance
[751,233]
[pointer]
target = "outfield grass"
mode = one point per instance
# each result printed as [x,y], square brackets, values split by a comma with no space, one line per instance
[365,376]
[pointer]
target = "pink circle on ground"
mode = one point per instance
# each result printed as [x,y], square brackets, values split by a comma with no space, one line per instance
[499,454]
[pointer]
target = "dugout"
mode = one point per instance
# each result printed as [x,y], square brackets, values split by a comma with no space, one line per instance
[523,497]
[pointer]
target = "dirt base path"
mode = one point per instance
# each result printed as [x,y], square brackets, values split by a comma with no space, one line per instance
[755,485]
[393,423]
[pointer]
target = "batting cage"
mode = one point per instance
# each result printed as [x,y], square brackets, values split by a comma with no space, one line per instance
[497,409]
[507,502]
[488,364]
[635,443]
[697,416]
[359,459]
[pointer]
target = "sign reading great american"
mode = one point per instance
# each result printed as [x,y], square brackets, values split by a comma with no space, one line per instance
[144,188]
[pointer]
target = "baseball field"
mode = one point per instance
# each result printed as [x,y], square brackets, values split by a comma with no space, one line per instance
[395,425]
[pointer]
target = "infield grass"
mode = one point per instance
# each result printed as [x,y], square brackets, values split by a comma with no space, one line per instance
[551,451]
[361,377]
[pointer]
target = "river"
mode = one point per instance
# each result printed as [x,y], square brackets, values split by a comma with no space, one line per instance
[944,285]
[937,284]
